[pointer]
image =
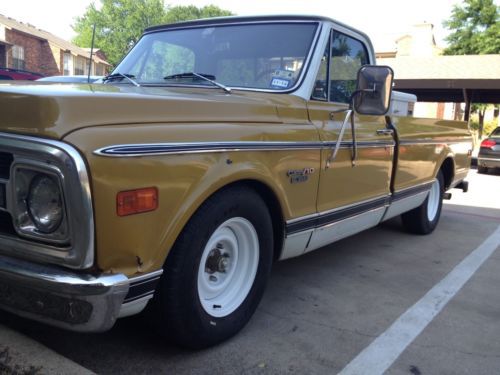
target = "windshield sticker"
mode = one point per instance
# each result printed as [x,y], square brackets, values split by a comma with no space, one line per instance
[287,74]
[280,83]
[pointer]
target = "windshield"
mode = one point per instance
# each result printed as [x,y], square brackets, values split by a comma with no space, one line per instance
[256,56]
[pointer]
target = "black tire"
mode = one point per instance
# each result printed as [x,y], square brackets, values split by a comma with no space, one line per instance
[482,170]
[417,220]
[176,306]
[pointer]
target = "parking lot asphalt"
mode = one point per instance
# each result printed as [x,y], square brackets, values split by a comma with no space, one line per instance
[323,310]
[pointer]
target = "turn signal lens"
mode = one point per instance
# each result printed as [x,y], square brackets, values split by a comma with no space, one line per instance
[136,201]
[488,143]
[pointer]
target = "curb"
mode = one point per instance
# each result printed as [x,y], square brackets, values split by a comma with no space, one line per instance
[21,355]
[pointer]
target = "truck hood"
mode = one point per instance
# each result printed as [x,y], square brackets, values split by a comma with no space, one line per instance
[54,110]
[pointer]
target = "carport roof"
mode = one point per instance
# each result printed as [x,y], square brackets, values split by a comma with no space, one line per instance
[448,78]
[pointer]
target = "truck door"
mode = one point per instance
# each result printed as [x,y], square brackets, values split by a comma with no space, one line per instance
[354,187]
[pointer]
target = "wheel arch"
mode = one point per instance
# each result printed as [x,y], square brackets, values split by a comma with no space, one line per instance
[448,170]
[270,198]
[275,210]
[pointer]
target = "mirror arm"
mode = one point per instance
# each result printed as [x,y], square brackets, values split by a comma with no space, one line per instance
[354,151]
[349,116]
[335,150]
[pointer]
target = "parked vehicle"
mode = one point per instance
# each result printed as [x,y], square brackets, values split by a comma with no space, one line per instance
[489,153]
[71,79]
[215,148]
[18,74]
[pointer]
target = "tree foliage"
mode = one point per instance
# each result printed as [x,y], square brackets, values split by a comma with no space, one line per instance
[120,23]
[190,12]
[475,26]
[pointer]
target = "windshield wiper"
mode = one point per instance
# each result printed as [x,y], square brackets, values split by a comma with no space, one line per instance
[207,77]
[129,77]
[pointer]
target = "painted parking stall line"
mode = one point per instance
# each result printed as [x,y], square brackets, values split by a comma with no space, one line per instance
[377,357]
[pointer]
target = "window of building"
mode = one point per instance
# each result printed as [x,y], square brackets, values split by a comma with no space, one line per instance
[18,57]
[3,56]
[80,66]
[67,64]
[99,69]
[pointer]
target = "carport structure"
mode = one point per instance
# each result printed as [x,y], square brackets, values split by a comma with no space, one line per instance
[464,78]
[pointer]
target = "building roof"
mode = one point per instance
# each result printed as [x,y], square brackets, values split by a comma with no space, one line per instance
[448,78]
[26,28]
[445,67]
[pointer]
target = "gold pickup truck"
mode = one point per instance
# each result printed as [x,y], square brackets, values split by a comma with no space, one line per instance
[215,148]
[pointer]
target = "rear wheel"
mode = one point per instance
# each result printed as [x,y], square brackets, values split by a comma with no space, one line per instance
[216,273]
[424,218]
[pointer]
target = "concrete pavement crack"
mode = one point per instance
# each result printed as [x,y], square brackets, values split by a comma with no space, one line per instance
[473,354]
[318,324]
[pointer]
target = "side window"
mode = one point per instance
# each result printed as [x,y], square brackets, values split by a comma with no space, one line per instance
[347,56]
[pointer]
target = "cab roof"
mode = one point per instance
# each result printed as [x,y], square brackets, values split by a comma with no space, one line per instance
[239,19]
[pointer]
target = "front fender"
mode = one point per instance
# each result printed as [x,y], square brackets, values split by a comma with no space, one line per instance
[140,243]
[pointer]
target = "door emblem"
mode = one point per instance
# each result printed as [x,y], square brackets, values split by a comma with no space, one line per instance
[299,175]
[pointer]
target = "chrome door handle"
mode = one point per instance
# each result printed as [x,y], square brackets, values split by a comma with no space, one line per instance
[385,131]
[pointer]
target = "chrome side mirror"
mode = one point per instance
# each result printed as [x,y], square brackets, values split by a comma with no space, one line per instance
[373,93]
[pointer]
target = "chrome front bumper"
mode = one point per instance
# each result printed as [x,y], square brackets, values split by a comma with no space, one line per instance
[70,300]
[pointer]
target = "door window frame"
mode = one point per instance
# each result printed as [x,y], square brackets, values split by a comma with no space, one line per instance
[349,34]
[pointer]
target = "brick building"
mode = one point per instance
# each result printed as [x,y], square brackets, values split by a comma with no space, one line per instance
[23,46]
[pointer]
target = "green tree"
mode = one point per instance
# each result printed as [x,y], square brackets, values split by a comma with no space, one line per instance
[190,12]
[120,23]
[475,26]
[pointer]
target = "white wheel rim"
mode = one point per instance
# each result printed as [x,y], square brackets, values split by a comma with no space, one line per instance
[228,267]
[433,201]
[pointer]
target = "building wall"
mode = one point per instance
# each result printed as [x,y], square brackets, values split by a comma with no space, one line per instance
[49,60]
[56,52]
[38,56]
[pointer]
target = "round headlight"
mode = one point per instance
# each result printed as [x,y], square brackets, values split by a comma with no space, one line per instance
[45,203]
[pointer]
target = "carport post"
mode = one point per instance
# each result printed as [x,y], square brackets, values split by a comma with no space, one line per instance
[467,100]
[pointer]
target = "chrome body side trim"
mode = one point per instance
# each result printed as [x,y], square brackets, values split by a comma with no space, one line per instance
[384,197]
[143,286]
[336,231]
[134,307]
[403,193]
[131,150]
[154,149]
[313,231]
[337,214]
[78,252]
[402,205]
[316,230]
[431,142]
[295,244]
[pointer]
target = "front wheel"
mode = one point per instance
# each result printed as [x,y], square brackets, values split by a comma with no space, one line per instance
[216,273]
[424,218]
